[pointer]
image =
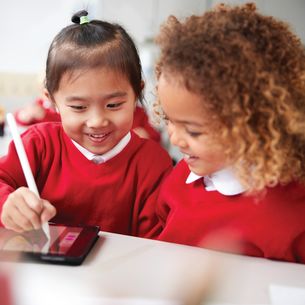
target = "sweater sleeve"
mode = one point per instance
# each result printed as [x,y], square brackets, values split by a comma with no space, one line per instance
[11,174]
[171,186]
[141,120]
[152,172]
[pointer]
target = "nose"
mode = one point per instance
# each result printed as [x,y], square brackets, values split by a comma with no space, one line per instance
[176,136]
[97,119]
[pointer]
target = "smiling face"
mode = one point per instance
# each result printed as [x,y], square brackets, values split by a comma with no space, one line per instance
[188,127]
[96,108]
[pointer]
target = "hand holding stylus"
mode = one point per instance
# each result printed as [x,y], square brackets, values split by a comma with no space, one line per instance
[24,210]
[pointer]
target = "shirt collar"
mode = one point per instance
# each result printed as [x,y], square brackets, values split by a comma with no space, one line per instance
[224,181]
[106,156]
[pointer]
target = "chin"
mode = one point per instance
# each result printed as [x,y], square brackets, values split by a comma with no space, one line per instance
[195,170]
[200,171]
[98,151]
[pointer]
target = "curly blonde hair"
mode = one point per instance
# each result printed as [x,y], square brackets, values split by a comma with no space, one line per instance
[250,71]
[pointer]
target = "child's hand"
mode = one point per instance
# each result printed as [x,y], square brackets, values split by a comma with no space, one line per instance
[31,113]
[141,132]
[24,211]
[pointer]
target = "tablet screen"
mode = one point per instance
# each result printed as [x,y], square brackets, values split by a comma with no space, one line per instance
[66,243]
[62,239]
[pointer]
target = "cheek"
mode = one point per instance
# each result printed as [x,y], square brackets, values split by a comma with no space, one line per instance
[70,122]
[208,151]
[63,112]
[215,156]
[205,153]
[124,118]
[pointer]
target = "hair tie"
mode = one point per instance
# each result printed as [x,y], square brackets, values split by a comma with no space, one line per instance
[83,20]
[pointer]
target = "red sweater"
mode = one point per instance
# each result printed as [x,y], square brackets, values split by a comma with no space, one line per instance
[273,227]
[118,195]
[140,119]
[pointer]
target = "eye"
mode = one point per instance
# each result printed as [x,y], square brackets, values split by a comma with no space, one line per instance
[114,105]
[194,134]
[77,107]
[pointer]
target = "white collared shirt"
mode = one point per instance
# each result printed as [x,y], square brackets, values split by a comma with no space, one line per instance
[106,156]
[223,181]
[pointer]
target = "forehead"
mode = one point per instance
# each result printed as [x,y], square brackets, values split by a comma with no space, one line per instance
[100,72]
[178,102]
[98,77]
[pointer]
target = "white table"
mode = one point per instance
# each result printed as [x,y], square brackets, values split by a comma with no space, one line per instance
[125,270]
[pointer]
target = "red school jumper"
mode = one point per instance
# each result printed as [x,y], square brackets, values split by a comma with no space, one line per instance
[140,119]
[273,227]
[118,195]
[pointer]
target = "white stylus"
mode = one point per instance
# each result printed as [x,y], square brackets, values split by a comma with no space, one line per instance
[25,163]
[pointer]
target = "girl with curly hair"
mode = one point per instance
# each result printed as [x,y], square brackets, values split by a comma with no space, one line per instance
[231,88]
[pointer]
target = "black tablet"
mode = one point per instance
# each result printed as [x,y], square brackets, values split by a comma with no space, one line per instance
[67,245]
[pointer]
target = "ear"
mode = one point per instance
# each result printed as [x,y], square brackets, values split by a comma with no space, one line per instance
[142,87]
[46,95]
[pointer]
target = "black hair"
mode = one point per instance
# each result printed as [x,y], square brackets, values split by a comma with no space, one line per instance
[93,44]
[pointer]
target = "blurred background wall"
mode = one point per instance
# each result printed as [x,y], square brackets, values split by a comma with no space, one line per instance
[27,28]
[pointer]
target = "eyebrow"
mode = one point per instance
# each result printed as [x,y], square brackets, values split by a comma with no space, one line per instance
[104,97]
[186,122]
[189,123]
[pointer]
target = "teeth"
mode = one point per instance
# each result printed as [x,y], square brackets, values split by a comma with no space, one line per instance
[97,136]
[186,156]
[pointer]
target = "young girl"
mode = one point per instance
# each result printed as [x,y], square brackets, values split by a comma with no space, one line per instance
[231,84]
[89,169]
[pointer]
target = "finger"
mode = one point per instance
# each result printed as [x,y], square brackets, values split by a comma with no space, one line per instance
[9,223]
[48,212]
[30,214]
[8,215]
[31,199]
[21,220]
[28,204]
